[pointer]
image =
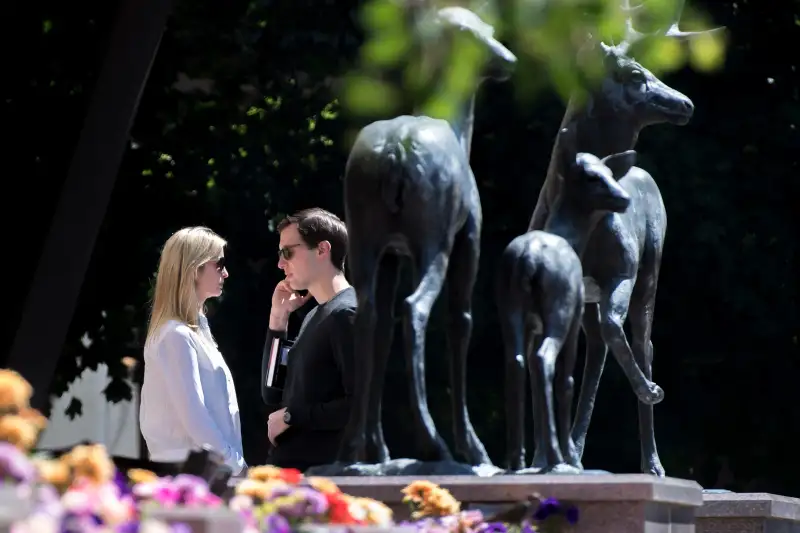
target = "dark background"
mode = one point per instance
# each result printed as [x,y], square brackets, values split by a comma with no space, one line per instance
[725,335]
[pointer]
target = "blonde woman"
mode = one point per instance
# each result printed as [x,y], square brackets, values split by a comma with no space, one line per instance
[188,399]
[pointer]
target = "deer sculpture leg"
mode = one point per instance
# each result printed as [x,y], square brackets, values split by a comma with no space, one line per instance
[596,351]
[614,301]
[512,327]
[641,316]
[431,267]
[386,288]
[362,276]
[565,389]
[542,369]
[462,271]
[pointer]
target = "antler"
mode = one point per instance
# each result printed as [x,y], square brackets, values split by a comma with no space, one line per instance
[673,31]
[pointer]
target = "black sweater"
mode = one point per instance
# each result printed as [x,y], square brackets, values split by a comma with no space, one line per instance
[319,384]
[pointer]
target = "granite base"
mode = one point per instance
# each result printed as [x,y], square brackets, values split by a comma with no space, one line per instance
[636,503]
[748,513]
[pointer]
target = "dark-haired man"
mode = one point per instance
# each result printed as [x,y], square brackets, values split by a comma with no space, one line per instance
[316,400]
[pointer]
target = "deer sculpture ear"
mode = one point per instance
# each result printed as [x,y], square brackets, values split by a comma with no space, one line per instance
[620,163]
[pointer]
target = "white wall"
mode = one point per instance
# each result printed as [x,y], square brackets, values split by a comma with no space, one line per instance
[114,425]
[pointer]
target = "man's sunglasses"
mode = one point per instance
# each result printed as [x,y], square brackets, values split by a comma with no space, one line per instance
[287,252]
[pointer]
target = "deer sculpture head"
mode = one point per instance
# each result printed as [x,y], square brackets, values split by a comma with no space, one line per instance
[628,90]
[438,29]
[500,61]
[589,184]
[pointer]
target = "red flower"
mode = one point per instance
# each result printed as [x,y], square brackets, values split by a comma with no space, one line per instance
[291,476]
[339,510]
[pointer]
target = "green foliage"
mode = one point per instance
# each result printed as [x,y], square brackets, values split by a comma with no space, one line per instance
[546,35]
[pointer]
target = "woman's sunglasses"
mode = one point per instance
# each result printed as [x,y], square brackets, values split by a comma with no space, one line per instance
[220,264]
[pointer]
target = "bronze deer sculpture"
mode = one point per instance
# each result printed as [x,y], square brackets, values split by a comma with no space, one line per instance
[623,257]
[410,192]
[540,299]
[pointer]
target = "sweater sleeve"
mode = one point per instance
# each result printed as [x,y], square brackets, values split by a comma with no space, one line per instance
[271,336]
[334,414]
[177,360]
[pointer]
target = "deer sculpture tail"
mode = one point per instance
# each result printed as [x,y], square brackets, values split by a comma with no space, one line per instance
[394,159]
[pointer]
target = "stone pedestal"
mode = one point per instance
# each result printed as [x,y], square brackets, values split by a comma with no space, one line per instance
[748,513]
[634,503]
[199,520]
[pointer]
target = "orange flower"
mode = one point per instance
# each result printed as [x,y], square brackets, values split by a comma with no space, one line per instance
[140,475]
[18,431]
[429,499]
[15,391]
[34,417]
[90,462]
[269,472]
[369,511]
[323,485]
[259,490]
[54,472]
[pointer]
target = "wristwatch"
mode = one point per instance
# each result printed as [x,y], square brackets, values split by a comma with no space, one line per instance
[287,418]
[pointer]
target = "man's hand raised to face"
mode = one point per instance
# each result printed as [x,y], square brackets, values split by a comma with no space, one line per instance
[285,301]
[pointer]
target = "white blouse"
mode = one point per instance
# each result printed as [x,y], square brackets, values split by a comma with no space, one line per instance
[188,400]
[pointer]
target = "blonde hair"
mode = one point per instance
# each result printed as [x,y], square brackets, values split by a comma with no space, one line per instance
[175,297]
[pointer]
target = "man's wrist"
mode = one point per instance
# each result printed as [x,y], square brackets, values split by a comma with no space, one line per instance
[278,321]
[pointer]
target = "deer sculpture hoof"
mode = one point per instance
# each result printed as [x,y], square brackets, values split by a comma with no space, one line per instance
[653,466]
[561,468]
[474,451]
[650,393]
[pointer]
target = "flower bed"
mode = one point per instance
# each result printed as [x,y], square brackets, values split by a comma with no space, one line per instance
[83,492]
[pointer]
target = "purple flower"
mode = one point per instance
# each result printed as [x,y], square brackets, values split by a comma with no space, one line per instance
[15,465]
[527,528]
[128,527]
[547,507]
[80,523]
[572,515]
[47,501]
[494,527]
[180,527]
[275,523]
[278,492]
[121,482]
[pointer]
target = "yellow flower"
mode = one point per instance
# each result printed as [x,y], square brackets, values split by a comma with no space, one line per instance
[54,472]
[323,485]
[18,431]
[429,499]
[258,490]
[140,475]
[264,473]
[371,511]
[15,391]
[90,462]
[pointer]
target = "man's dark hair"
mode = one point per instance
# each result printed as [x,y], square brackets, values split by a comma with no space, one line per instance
[316,225]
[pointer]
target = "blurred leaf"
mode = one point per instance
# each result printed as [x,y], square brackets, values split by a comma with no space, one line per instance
[707,51]
[368,96]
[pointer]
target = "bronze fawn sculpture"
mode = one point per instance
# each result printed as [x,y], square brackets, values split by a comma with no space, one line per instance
[410,192]
[623,257]
[540,298]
